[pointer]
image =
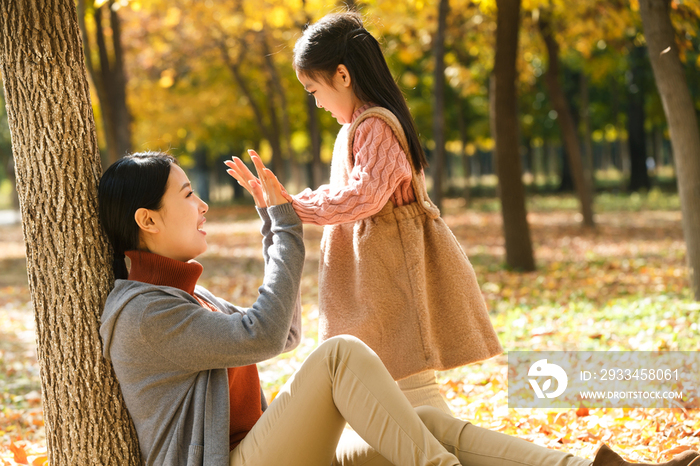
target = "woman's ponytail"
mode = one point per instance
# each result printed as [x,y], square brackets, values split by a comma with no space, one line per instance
[119,266]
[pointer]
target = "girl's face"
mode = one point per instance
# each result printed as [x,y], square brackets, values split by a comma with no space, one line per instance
[176,229]
[337,98]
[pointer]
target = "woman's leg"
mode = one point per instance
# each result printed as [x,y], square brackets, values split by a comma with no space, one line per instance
[422,389]
[341,380]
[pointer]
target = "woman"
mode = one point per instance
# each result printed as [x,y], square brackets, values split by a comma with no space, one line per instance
[185,359]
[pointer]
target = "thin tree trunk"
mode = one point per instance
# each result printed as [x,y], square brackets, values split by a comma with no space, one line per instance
[101,78]
[589,170]
[439,107]
[275,82]
[313,122]
[466,160]
[658,148]
[68,260]
[274,134]
[566,123]
[269,132]
[315,139]
[109,79]
[519,254]
[120,109]
[682,123]
[636,134]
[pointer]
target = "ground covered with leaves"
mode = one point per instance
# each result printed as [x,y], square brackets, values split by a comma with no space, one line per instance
[622,286]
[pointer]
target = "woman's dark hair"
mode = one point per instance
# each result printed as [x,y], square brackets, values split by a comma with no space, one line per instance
[341,39]
[133,182]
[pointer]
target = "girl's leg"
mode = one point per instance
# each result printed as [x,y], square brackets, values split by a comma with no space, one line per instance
[422,389]
[472,445]
[341,380]
[477,446]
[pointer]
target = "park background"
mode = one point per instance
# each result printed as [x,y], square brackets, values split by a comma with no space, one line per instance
[599,264]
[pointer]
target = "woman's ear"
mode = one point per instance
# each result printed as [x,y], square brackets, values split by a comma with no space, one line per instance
[342,75]
[144,219]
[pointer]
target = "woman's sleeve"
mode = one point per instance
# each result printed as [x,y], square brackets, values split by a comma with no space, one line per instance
[380,168]
[198,339]
[294,336]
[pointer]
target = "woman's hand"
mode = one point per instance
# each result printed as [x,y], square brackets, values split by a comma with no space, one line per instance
[273,191]
[245,178]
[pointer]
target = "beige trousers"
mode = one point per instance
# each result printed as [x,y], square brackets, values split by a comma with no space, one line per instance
[343,380]
[422,389]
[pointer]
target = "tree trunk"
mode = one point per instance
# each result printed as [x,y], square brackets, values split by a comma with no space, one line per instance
[439,107]
[636,134]
[109,79]
[466,159]
[588,165]
[566,180]
[315,142]
[68,259]
[566,123]
[283,143]
[519,253]
[682,123]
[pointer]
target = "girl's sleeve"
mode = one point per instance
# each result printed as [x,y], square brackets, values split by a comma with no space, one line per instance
[380,168]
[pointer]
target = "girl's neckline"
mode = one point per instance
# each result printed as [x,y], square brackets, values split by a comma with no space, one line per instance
[360,111]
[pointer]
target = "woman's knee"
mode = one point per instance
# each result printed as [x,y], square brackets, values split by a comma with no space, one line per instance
[345,343]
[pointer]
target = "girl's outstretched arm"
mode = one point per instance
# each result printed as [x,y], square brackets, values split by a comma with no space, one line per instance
[381,167]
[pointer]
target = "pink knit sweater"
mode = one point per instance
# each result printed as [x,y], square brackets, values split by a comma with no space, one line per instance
[381,173]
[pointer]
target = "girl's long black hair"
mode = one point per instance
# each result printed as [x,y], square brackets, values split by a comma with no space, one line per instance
[130,183]
[341,39]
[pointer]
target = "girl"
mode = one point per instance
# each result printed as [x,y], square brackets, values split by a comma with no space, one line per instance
[185,359]
[421,310]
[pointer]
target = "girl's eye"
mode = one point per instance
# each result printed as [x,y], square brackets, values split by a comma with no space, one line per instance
[190,193]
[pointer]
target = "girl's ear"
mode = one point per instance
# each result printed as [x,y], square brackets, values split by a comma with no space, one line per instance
[144,219]
[343,76]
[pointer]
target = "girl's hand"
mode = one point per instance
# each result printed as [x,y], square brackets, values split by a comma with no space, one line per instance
[273,191]
[245,178]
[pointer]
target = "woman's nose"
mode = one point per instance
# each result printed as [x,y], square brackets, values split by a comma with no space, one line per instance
[318,104]
[205,207]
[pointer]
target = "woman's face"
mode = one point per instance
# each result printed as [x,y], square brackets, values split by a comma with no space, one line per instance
[176,229]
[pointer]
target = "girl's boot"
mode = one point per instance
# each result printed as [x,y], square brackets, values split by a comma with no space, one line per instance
[607,457]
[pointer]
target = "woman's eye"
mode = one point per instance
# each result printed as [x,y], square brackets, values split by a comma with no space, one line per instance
[190,193]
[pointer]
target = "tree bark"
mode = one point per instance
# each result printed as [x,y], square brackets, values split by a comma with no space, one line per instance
[439,102]
[68,260]
[519,254]
[566,123]
[682,123]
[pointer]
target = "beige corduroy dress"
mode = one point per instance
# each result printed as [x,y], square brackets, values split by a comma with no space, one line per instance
[399,280]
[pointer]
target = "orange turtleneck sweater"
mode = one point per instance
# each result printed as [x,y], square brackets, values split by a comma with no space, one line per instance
[243,382]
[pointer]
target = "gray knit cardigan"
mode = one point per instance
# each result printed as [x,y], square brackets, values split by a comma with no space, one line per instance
[170,354]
